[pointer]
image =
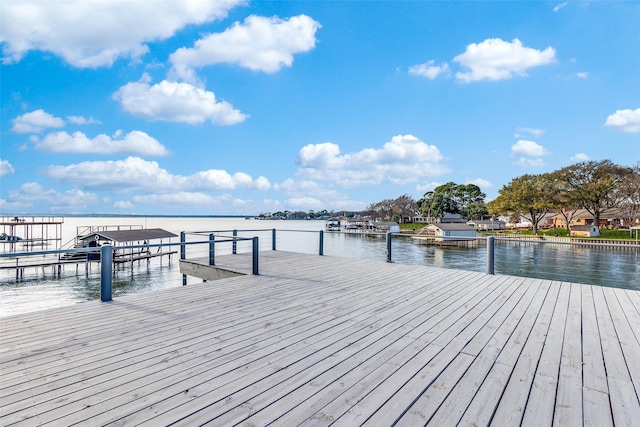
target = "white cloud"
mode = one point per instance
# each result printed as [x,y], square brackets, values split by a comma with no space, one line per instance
[224,203]
[96,33]
[6,168]
[79,120]
[136,174]
[7,206]
[582,75]
[131,174]
[181,198]
[528,148]
[482,183]
[496,59]
[123,205]
[624,121]
[560,6]
[35,122]
[71,201]
[530,163]
[260,44]
[529,152]
[580,157]
[529,131]
[305,203]
[175,102]
[430,186]
[429,69]
[135,142]
[215,179]
[404,159]
[306,194]
[303,188]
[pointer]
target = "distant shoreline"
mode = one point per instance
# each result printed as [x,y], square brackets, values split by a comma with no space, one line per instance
[97,215]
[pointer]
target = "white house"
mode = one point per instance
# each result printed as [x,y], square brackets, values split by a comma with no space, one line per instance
[450,231]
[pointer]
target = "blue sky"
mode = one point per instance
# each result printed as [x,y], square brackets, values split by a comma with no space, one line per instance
[237,107]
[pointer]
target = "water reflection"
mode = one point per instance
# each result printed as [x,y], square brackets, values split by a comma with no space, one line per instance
[37,291]
[580,264]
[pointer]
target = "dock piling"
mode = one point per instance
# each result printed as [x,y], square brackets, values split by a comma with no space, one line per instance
[106,273]
[256,250]
[234,244]
[212,249]
[183,254]
[490,255]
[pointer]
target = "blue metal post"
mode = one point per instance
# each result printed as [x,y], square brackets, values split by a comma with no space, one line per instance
[490,256]
[183,254]
[321,249]
[183,248]
[234,244]
[255,255]
[106,273]
[273,239]
[212,249]
[389,237]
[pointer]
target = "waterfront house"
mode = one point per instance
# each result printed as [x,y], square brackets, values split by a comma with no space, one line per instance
[608,217]
[419,219]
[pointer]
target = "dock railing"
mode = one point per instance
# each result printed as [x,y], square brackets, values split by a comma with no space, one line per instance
[54,257]
[212,240]
[269,236]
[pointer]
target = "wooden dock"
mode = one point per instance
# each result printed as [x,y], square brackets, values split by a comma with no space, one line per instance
[322,340]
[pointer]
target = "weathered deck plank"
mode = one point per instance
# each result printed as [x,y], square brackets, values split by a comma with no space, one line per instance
[322,340]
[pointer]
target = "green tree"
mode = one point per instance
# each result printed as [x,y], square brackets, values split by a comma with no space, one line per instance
[527,196]
[440,201]
[475,210]
[560,197]
[470,201]
[464,199]
[594,186]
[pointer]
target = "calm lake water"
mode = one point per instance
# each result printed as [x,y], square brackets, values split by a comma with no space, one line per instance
[40,288]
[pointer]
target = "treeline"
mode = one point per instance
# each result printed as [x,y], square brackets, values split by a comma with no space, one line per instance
[595,186]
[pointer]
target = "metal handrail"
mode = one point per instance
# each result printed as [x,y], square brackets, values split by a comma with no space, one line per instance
[107,250]
[106,257]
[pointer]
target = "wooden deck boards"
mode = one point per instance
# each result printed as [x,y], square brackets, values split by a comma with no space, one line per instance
[322,340]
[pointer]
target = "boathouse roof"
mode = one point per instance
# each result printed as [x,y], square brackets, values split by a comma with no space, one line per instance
[485,221]
[452,226]
[122,236]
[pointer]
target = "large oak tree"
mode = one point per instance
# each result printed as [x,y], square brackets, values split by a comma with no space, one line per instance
[528,196]
[464,199]
[594,185]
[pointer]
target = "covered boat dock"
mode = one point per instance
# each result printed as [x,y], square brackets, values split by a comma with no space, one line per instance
[122,240]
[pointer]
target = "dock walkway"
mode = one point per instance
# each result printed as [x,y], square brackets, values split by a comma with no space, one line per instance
[321,340]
